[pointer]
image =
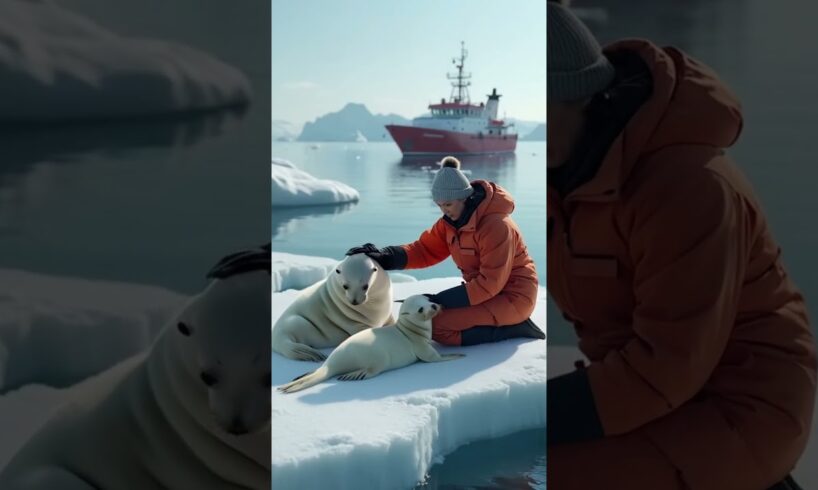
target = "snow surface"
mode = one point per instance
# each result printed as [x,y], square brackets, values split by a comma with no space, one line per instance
[57,331]
[22,413]
[294,187]
[386,432]
[561,361]
[62,66]
[290,271]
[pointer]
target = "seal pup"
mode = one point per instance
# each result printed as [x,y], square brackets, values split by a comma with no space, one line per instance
[371,352]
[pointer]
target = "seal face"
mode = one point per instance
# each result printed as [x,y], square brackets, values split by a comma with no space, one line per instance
[356,295]
[371,352]
[192,412]
[355,276]
[225,340]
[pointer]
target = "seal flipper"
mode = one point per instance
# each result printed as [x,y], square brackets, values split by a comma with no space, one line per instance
[299,377]
[357,375]
[301,352]
[305,381]
[427,353]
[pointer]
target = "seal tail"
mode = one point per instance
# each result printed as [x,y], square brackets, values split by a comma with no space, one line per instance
[306,380]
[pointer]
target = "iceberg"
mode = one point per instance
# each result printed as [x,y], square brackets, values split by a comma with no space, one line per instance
[294,187]
[386,432]
[62,66]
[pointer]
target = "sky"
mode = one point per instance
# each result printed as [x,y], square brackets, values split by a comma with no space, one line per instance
[393,55]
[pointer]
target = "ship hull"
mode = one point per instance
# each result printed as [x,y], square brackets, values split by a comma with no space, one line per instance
[424,141]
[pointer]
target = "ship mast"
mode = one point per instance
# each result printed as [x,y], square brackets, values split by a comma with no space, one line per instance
[460,84]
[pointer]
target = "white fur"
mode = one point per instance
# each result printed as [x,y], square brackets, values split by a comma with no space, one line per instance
[150,422]
[371,352]
[327,313]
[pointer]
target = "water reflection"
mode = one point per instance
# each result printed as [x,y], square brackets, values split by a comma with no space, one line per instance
[495,167]
[77,200]
[286,221]
[32,150]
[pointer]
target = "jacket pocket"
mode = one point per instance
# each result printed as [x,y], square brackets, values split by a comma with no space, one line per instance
[469,259]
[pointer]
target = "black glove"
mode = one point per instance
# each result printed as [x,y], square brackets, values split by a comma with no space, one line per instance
[455,297]
[390,258]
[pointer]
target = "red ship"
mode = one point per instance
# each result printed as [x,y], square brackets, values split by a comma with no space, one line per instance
[457,126]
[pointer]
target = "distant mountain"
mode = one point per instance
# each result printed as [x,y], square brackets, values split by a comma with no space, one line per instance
[536,134]
[348,123]
[284,130]
[524,127]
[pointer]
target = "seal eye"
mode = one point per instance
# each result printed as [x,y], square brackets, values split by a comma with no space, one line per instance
[337,271]
[420,310]
[208,379]
[267,380]
[366,286]
[183,328]
[346,287]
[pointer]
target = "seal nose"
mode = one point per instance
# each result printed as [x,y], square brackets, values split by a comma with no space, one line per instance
[354,302]
[434,307]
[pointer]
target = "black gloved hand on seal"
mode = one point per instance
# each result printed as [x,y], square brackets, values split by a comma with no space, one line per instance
[390,258]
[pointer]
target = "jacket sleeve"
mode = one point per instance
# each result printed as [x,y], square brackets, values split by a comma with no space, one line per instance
[688,242]
[429,249]
[496,245]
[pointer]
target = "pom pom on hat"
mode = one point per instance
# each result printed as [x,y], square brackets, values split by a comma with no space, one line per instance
[450,184]
[450,162]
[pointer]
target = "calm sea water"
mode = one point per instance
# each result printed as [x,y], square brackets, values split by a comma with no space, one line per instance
[395,205]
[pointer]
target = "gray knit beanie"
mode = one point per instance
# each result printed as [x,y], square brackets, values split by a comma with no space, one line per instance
[577,69]
[450,184]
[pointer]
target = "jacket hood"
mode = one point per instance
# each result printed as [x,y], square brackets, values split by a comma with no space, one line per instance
[689,105]
[497,201]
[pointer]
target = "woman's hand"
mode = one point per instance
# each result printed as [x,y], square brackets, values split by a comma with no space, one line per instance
[390,258]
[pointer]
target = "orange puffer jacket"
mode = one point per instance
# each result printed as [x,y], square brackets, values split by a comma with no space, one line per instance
[489,251]
[667,268]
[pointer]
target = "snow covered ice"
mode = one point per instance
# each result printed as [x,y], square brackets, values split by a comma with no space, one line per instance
[290,271]
[62,66]
[294,187]
[386,432]
[58,331]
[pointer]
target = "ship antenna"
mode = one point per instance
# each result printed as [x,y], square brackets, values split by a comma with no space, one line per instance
[461,83]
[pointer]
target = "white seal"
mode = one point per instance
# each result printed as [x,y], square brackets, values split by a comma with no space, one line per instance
[355,296]
[192,412]
[371,352]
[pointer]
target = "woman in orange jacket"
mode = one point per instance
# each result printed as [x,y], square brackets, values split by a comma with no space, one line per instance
[702,369]
[499,288]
